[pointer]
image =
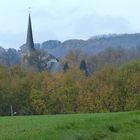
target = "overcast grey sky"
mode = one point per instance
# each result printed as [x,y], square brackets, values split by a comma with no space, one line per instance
[66,19]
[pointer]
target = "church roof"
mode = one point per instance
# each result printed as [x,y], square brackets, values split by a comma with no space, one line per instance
[30,41]
[50,57]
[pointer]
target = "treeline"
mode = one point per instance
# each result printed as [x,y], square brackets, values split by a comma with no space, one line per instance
[111,56]
[108,89]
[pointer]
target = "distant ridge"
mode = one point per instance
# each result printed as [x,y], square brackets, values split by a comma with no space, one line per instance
[59,49]
[93,45]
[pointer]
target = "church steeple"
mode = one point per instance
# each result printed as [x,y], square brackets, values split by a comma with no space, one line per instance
[30,41]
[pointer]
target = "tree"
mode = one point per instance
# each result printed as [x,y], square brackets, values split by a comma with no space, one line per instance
[83,67]
[127,85]
[38,60]
[37,102]
[65,67]
[73,57]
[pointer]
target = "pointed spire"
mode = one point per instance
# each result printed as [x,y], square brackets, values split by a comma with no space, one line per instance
[29,10]
[29,41]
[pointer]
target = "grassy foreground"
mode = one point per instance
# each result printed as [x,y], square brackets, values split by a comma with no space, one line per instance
[108,126]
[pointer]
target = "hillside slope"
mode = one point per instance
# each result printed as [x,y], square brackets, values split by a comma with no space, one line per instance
[93,45]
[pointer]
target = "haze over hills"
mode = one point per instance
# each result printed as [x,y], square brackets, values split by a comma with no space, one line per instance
[59,49]
[93,45]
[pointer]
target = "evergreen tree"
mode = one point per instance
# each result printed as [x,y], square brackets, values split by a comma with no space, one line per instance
[65,67]
[83,67]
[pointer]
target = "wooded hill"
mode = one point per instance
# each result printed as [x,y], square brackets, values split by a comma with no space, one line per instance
[59,49]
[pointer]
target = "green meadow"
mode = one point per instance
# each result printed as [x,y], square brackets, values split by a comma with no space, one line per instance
[102,126]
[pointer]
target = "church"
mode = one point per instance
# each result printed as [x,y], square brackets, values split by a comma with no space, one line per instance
[50,62]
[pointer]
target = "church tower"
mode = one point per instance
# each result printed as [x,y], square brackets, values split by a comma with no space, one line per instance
[29,40]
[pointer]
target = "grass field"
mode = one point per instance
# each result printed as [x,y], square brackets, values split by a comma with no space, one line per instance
[107,126]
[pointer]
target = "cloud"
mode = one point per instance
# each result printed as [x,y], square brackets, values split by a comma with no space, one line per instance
[10,40]
[66,19]
[94,24]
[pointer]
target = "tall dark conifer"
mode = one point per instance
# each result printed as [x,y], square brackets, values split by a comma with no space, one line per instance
[83,67]
[65,67]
